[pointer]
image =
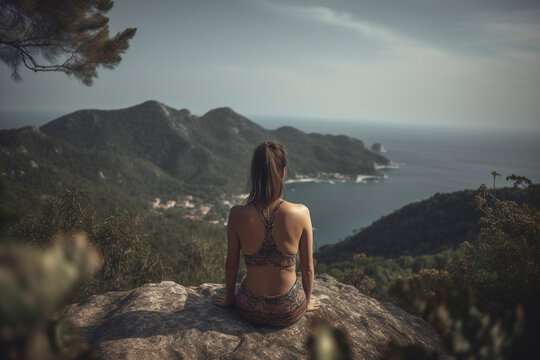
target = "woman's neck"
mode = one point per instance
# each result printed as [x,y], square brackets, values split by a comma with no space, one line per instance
[271,204]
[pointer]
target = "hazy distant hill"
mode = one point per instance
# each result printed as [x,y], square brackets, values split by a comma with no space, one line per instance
[153,150]
[213,149]
[36,166]
[426,227]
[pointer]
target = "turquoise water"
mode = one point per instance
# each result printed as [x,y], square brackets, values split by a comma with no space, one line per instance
[431,158]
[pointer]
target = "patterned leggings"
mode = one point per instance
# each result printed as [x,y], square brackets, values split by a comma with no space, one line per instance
[280,310]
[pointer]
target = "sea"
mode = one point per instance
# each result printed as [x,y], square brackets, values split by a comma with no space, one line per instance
[432,159]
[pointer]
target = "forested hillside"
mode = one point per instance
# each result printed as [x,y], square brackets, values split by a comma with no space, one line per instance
[426,227]
[120,160]
[213,149]
[132,155]
[482,296]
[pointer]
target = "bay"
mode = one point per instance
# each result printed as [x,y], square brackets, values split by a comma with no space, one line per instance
[432,159]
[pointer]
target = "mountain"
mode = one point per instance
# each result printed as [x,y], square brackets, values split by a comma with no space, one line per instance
[426,227]
[36,166]
[214,149]
[153,150]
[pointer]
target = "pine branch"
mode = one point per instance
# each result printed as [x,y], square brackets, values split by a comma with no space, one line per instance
[76,30]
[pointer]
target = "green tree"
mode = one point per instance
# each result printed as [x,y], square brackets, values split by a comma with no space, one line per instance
[128,259]
[486,305]
[502,266]
[70,36]
[356,275]
[34,284]
[466,331]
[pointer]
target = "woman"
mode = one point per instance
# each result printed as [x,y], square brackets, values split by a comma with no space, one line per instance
[269,231]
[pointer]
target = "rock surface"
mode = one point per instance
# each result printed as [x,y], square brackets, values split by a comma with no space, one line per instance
[170,321]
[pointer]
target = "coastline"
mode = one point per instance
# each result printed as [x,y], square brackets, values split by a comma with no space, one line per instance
[363,178]
[359,179]
[391,165]
[332,178]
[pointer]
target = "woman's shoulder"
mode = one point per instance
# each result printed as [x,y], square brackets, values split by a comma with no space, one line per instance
[295,208]
[239,209]
[285,206]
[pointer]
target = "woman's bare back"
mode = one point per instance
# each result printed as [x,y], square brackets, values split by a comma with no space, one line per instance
[290,225]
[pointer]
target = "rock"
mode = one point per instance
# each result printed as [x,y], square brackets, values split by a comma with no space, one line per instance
[170,321]
[378,147]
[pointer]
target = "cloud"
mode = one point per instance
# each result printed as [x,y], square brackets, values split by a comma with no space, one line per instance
[328,16]
[396,46]
[482,30]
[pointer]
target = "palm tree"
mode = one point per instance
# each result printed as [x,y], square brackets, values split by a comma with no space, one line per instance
[494,174]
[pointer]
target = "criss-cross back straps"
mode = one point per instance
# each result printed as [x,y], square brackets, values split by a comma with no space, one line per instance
[268,222]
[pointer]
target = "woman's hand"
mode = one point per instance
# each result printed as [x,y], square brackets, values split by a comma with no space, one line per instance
[313,305]
[224,302]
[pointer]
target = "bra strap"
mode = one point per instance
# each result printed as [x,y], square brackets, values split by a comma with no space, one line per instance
[275,212]
[263,218]
[268,222]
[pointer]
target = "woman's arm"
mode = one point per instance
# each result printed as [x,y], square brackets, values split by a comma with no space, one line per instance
[306,254]
[306,261]
[232,262]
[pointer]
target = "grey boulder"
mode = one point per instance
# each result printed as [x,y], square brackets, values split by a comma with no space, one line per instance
[170,321]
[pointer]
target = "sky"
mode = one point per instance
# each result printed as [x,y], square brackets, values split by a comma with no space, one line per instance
[402,61]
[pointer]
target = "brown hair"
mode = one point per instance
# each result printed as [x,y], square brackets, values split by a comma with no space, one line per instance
[265,183]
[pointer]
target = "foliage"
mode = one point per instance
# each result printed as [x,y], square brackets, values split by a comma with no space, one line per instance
[33,284]
[72,36]
[213,150]
[482,297]
[139,248]
[326,342]
[357,277]
[409,293]
[379,272]
[130,156]
[129,261]
[502,266]
[467,332]
[195,251]
[127,157]
[66,214]
[430,226]
[36,166]
[486,305]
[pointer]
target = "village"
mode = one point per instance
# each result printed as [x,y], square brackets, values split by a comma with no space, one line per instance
[335,177]
[195,209]
[189,207]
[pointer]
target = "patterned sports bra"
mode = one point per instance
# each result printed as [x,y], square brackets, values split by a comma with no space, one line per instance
[268,253]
